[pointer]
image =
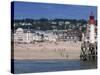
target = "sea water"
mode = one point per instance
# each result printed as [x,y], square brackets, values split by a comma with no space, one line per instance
[32,66]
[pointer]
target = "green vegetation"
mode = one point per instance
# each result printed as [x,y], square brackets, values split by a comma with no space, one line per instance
[50,24]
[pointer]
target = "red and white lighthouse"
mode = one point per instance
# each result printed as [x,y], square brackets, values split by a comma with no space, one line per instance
[91,24]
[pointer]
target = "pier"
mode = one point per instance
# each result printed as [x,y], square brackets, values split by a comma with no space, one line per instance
[88,52]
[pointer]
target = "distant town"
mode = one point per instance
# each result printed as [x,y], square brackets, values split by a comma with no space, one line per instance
[45,29]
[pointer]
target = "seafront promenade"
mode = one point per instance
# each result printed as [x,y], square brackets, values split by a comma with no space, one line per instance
[47,50]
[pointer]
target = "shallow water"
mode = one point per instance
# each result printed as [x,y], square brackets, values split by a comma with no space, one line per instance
[31,66]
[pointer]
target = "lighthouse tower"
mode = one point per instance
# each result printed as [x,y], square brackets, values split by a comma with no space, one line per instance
[89,44]
[91,24]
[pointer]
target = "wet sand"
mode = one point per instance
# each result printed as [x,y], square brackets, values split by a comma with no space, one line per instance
[47,50]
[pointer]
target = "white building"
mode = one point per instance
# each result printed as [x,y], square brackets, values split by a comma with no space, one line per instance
[36,37]
[49,36]
[27,36]
[22,36]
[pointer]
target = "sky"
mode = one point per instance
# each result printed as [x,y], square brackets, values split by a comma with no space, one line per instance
[33,10]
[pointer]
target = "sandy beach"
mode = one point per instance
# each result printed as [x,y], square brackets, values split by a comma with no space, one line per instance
[47,50]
